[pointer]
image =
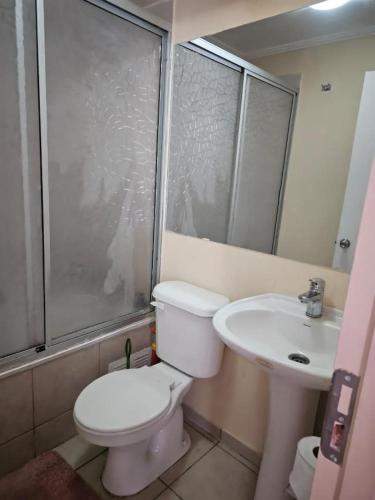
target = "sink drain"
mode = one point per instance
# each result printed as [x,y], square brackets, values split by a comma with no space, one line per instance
[299,358]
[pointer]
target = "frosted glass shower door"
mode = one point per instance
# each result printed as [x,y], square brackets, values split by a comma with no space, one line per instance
[102,94]
[257,193]
[205,108]
[21,265]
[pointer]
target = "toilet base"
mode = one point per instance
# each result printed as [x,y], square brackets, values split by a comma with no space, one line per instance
[129,469]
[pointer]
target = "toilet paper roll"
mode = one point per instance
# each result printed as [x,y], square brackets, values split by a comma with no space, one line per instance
[302,474]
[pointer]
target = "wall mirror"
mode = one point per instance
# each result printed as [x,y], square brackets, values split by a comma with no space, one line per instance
[272,133]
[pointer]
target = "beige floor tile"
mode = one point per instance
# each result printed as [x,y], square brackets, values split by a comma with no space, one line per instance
[204,433]
[199,446]
[199,423]
[240,458]
[240,449]
[92,471]
[77,452]
[217,476]
[168,495]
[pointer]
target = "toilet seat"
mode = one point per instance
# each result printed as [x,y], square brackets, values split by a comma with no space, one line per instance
[124,401]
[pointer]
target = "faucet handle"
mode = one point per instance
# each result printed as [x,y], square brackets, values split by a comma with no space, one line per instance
[317,284]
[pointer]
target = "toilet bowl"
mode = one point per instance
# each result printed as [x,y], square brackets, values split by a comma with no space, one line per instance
[137,413]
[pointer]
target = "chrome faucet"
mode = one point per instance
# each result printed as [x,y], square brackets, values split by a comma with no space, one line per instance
[314,298]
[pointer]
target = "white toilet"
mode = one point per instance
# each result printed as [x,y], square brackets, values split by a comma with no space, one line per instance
[137,413]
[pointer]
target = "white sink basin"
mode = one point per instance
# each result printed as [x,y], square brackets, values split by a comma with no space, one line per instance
[269,329]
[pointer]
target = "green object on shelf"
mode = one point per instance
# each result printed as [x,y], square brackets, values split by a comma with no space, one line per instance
[128,351]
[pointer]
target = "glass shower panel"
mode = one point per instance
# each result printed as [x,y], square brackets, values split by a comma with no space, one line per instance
[102,79]
[205,107]
[21,266]
[264,137]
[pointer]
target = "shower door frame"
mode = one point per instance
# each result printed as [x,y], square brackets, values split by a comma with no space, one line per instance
[164,43]
[86,336]
[222,56]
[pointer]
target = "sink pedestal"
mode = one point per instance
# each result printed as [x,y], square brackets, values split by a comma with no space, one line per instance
[292,413]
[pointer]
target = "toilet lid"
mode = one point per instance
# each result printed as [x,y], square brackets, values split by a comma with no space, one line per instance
[124,400]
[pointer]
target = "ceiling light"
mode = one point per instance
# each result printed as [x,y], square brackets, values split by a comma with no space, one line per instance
[329,4]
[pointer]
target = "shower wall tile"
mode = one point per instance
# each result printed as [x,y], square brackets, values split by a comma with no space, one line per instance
[36,405]
[113,349]
[58,383]
[54,432]
[16,452]
[16,405]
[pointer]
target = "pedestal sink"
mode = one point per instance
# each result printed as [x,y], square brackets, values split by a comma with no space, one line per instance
[298,354]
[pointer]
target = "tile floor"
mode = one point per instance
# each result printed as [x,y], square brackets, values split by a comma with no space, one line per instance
[209,471]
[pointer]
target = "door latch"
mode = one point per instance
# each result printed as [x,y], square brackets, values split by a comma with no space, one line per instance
[339,414]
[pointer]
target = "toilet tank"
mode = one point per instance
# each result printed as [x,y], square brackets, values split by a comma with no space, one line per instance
[185,336]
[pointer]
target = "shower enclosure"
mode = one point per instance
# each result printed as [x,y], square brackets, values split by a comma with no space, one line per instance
[80,143]
[230,132]
[21,243]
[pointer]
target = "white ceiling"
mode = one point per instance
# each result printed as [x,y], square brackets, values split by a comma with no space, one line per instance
[158,12]
[299,29]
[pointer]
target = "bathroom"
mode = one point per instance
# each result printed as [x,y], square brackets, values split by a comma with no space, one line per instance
[135,137]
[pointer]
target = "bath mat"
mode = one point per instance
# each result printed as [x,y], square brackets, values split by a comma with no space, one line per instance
[46,477]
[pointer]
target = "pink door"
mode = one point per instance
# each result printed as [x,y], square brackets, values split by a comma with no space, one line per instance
[355,477]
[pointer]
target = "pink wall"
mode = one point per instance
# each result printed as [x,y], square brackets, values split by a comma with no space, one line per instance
[357,473]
